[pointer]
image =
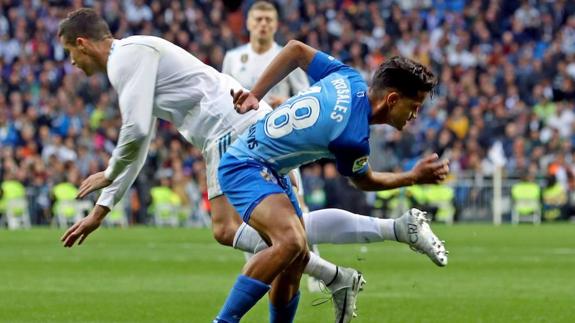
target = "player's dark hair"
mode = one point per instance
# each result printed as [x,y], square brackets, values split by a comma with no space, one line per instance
[403,75]
[84,22]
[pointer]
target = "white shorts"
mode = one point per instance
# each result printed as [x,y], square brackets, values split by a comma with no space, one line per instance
[213,152]
[212,155]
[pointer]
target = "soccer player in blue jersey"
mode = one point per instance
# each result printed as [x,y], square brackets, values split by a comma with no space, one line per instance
[329,120]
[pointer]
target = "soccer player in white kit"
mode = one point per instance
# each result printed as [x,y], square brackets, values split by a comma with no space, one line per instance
[247,62]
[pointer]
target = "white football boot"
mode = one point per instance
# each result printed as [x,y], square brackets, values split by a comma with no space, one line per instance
[413,228]
[348,284]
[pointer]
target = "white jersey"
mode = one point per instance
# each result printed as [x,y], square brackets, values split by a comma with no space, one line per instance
[157,79]
[246,66]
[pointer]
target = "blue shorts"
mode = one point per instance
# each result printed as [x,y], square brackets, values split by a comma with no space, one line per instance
[247,182]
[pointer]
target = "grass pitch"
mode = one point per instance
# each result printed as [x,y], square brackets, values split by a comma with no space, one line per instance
[495,274]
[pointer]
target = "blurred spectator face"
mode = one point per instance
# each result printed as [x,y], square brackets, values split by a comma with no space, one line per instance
[262,22]
[330,171]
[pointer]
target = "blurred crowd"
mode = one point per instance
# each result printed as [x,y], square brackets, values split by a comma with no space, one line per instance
[505,98]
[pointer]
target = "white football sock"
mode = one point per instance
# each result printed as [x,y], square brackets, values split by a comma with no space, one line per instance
[340,226]
[321,269]
[313,284]
[248,239]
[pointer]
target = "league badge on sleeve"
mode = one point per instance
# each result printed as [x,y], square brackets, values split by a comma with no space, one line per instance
[359,163]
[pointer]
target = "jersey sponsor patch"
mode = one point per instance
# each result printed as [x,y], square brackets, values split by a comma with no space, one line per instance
[359,163]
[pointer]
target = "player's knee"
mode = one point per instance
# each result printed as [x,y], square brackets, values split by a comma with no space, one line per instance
[302,244]
[224,234]
[224,227]
[303,256]
[293,244]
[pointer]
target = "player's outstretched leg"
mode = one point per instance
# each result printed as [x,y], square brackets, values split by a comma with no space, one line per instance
[340,226]
[413,228]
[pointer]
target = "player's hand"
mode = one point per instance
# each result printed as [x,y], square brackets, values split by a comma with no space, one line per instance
[81,229]
[244,101]
[93,183]
[430,170]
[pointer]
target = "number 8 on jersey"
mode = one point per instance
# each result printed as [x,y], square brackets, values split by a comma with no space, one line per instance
[301,114]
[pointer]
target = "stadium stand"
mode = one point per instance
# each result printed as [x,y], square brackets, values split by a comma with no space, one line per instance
[506,93]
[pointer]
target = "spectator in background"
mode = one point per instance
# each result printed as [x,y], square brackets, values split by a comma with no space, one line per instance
[247,62]
[554,199]
[313,184]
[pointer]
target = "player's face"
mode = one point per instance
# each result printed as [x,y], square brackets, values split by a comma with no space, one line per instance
[404,109]
[263,24]
[79,57]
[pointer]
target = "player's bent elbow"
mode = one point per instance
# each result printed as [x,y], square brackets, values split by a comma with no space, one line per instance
[295,45]
[298,50]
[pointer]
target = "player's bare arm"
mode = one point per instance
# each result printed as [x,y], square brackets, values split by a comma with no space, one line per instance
[295,54]
[429,170]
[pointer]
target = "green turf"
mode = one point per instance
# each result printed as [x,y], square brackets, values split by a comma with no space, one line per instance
[496,274]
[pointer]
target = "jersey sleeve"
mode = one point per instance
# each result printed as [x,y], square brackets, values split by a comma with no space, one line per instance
[323,64]
[114,192]
[132,72]
[352,160]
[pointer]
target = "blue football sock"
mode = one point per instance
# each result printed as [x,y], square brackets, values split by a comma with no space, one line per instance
[243,296]
[284,314]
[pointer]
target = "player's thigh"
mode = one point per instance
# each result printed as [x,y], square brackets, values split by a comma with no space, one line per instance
[257,190]
[276,217]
